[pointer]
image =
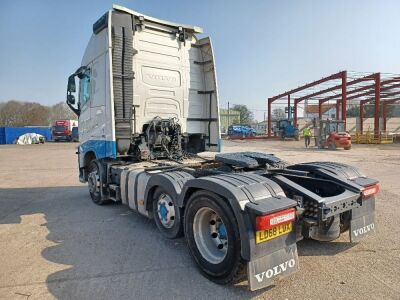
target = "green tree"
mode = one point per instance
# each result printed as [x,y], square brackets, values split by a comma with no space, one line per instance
[246,116]
[17,114]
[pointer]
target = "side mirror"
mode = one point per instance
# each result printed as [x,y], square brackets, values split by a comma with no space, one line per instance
[71,99]
[71,84]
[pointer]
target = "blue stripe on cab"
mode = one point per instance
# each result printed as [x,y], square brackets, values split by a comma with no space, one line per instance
[101,148]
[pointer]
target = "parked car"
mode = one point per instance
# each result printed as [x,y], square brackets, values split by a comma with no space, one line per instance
[240,130]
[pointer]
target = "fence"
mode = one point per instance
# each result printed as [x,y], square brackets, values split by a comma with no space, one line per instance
[371,138]
[9,134]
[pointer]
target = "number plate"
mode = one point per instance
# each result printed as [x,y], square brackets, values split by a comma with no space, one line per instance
[274,232]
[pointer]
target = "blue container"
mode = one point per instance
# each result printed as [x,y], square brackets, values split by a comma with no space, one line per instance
[8,135]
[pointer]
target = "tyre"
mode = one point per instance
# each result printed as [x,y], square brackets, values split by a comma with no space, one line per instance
[332,146]
[345,221]
[282,134]
[297,136]
[167,215]
[213,237]
[95,182]
[347,148]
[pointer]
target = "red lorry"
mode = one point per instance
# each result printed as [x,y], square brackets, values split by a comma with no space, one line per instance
[62,130]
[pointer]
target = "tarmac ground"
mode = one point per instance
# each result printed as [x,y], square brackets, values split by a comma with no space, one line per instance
[55,243]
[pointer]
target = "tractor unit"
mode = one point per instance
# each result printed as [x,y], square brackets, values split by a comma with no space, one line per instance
[149,138]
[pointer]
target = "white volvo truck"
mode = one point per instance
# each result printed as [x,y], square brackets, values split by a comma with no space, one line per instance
[148,111]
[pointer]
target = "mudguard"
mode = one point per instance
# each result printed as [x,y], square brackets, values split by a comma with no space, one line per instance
[250,195]
[172,181]
[347,175]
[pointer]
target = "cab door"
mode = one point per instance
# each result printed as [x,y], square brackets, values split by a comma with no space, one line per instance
[84,105]
[98,106]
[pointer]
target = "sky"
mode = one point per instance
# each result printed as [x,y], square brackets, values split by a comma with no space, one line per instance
[261,48]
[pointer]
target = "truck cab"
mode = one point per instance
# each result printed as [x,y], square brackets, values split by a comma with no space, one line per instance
[62,130]
[140,79]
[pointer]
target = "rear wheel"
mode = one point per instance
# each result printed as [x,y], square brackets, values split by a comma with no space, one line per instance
[345,221]
[95,182]
[347,148]
[213,237]
[167,215]
[297,136]
[282,134]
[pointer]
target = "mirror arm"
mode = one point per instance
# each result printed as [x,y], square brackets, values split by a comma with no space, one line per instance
[77,111]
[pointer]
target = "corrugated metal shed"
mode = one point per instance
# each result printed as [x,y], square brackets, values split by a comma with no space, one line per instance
[9,134]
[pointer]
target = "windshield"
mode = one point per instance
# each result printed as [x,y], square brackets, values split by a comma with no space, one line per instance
[336,127]
[283,123]
[59,128]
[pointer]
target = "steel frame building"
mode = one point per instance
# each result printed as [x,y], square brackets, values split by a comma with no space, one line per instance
[341,88]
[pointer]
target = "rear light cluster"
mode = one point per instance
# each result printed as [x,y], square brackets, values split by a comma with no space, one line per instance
[371,190]
[282,217]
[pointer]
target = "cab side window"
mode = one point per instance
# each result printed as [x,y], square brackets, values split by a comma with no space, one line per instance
[85,89]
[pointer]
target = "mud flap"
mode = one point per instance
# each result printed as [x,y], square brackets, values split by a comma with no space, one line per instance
[361,227]
[263,271]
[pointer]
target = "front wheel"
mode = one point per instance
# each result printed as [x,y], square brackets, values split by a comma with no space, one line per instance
[95,182]
[213,237]
[167,215]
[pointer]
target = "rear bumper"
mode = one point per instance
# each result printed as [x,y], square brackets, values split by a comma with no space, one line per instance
[61,137]
[343,143]
[278,258]
[335,216]
[273,259]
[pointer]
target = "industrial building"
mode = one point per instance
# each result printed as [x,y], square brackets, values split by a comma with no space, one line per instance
[228,117]
[338,91]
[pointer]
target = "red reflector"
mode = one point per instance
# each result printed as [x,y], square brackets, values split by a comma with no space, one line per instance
[271,220]
[371,190]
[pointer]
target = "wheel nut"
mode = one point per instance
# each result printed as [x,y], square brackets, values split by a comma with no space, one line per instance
[214,235]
